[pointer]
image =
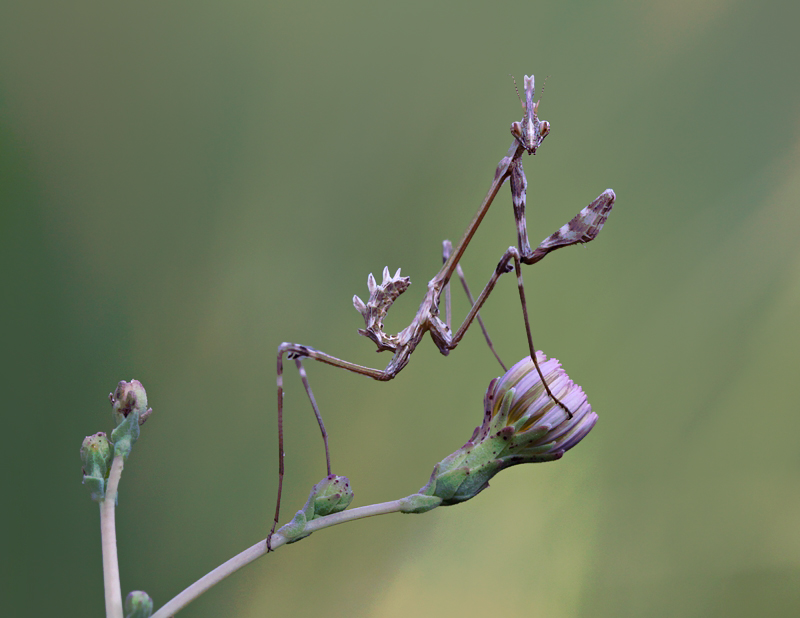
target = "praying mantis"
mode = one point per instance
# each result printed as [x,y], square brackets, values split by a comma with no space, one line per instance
[584,227]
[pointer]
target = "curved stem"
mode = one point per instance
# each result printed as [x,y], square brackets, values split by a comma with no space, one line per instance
[259,549]
[108,537]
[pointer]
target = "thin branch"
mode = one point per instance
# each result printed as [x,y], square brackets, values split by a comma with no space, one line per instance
[259,549]
[108,536]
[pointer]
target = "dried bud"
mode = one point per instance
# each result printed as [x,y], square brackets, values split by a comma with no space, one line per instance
[96,455]
[138,604]
[129,397]
[129,401]
[331,495]
[521,424]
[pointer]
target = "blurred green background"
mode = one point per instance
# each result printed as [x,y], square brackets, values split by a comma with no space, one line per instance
[184,185]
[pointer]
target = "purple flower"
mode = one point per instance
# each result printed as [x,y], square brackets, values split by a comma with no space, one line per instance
[521,424]
[534,426]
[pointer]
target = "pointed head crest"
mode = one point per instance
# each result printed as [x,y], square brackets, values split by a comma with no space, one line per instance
[531,131]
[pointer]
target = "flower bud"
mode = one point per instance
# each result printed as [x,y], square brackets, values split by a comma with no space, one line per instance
[521,424]
[129,397]
[331,495]
[138,604]
[129,402]
[96,455]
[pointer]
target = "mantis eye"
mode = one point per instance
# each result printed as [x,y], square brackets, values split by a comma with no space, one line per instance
[544,128]
[516,130]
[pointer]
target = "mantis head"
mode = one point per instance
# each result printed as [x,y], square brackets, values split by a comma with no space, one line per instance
[531,131]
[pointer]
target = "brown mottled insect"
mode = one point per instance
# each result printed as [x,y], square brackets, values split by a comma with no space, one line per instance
[528,136]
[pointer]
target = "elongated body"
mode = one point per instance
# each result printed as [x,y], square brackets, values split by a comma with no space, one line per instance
[584,227]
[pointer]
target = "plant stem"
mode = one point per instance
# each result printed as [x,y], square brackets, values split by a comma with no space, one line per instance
[108,536]
[259,549]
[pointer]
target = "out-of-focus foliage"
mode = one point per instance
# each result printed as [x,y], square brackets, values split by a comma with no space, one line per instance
[185,185]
